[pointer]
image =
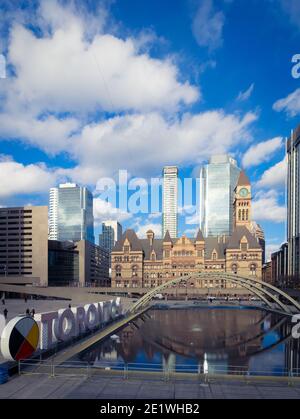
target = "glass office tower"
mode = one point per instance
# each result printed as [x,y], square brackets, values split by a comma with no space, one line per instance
[73,213]
[218,180]
[293,192]
[111,233]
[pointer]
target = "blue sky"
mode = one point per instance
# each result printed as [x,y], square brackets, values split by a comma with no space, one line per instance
[94,87]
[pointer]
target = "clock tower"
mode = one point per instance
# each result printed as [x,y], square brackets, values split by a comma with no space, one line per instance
[242,202]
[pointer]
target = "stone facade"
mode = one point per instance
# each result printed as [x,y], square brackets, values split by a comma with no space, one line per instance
[151,262]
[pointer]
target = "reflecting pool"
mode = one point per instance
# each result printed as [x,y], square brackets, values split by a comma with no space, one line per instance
[224,339]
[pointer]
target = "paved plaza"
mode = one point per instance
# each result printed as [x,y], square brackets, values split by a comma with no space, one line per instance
[97,387]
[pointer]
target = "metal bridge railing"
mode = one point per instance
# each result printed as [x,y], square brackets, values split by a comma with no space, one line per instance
[126,370]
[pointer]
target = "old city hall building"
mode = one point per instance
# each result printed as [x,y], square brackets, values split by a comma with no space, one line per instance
[151,262]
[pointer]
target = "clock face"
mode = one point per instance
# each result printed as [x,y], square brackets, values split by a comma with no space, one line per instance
[244,192]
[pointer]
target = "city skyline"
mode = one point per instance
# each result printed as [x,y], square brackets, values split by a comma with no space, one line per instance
[149,202]
[211,95]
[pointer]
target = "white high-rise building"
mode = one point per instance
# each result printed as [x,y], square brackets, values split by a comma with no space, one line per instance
[170,201]
[53,213]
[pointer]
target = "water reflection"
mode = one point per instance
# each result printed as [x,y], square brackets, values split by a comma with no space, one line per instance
[254,340]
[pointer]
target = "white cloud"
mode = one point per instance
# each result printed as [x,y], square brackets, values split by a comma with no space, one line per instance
[53,16]
[143,143]
[18,178]
[142,230]
[271,248]
[50,133]
[289,104]
[261,152]
[274,176]
[243,96]
[68,72]
[76,69]
[208,25]
[104,211]
[266,208]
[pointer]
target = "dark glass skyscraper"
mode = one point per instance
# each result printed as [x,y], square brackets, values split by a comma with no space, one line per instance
[293,191]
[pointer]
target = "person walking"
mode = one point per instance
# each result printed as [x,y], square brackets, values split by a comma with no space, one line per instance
[27,312]
[5,312]
[33,313]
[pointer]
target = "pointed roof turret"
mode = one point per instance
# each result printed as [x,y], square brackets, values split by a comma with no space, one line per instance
[167,238]
[243,179]
[199,237]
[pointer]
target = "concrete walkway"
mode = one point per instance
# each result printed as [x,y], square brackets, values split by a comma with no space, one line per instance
[97,387]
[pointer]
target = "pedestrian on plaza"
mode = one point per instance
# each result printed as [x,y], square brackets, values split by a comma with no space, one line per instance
[33,313]
[27,312]
[3,301]
[69,305]
[25,299]
[5,312]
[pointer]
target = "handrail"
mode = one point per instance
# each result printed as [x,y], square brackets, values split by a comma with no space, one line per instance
[113,366]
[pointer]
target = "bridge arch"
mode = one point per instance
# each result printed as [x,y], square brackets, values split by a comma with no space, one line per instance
[261,289]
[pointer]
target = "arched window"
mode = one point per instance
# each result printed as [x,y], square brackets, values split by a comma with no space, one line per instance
[234,268]
[240,214]
[134,271]
[118,271]
[253,269]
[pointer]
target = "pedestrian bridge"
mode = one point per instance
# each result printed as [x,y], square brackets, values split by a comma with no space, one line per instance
[273,297]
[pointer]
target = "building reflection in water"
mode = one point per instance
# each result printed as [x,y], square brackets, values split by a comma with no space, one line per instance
[254,340]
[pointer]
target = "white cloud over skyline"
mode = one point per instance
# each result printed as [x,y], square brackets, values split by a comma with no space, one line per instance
[104,211]
[289,104]
[265,207]
[275,176]
[261,152]
[24,179]
[144,143]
